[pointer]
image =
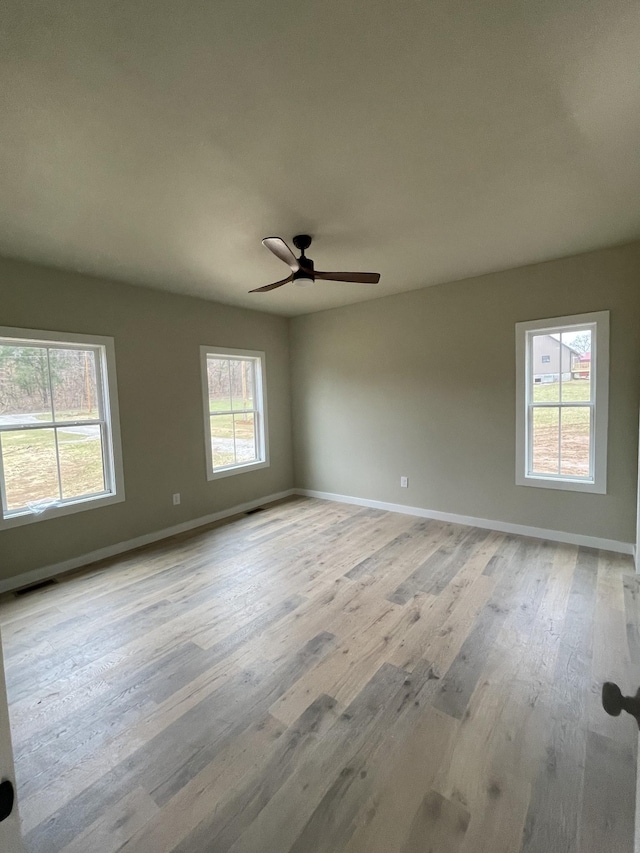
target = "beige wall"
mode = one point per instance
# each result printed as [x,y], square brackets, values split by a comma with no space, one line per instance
[423,384]
[157,339]
[420,384]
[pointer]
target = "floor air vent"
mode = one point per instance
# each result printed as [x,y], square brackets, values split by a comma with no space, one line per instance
[257,509]
[35,586]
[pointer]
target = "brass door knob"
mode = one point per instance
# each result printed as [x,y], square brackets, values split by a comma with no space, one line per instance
[614,702]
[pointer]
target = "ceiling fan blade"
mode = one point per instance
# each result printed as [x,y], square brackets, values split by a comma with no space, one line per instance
[282,251]
[356,277]
[272,286]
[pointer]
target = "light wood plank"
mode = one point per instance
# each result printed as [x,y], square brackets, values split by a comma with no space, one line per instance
[322,678]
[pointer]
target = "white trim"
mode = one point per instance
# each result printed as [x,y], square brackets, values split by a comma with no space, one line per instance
[110,423]
[68,508]
[636,834]
[36,575]
[10,831]
[637,562]
[485,523]
[46,572]
[600,403]
[261,422]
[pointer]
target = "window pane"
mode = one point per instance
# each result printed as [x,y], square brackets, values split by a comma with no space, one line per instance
[242,384]
[24,385]
[576,382]
[222,443]
[545,430]
[75,390]
[245,438]
[81,467]
[545,368]
[219,387]
[30,469]
[576,441]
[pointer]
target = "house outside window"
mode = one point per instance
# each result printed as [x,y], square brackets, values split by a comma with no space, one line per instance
[59,427]
[562,402]
[235,414]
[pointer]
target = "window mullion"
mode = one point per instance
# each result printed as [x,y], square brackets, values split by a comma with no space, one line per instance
[235,446]
[560,374]
[53,410]
[3,490]
[592,442]
[255,438]
[53,415]
[572,404]
[88,422]
[560,438]
[100,386]
[55,433]
[108,479]
[560,389]
[48,425]
[236,412]
[529,407]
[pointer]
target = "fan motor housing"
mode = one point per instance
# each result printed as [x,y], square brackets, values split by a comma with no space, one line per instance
[302,242]
[304,273]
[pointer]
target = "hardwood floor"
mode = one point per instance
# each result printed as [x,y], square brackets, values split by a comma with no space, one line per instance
[321,678]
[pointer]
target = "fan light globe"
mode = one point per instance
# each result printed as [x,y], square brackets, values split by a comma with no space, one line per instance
[304,281]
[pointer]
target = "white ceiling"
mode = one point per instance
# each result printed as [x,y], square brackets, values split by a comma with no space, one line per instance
[157,141]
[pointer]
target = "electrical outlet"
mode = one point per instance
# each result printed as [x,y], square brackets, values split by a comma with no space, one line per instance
[404,482]
[176,499]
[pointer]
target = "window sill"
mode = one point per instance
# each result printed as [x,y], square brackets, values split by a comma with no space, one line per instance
[563,485]
[236,469]
[70,508]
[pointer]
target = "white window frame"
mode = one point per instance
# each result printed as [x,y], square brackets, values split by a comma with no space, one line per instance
[598,322]
[260,410]
[109,420]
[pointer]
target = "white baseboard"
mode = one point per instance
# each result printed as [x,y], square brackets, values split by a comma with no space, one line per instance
[46,572]
[486,523]
[19,581]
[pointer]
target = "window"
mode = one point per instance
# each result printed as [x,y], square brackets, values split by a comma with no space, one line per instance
[562,407]
[59,432]
[234,411]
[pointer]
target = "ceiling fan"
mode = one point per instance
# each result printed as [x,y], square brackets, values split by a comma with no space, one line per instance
[303,272]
